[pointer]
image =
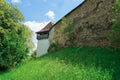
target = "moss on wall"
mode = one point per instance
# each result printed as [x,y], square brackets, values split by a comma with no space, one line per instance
[89,24]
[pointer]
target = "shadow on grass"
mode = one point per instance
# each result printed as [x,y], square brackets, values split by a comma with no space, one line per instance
[104,58]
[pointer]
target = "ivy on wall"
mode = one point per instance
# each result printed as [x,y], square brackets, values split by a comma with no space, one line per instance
[115,33]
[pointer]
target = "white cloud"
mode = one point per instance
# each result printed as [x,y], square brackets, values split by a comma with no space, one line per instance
[35,26]
[15,1]
[50,14]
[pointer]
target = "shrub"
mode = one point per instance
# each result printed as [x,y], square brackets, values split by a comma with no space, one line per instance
[14,40]
[115,33]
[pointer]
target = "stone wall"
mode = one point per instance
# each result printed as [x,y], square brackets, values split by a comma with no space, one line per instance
[91,25]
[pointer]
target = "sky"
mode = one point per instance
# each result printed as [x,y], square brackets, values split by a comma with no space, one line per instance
[39,13]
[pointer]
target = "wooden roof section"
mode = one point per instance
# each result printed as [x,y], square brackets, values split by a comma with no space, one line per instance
[46,28]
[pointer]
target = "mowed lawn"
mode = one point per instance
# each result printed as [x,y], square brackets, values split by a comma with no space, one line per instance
[78,63]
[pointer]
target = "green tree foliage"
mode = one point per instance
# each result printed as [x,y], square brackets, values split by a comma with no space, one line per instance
[15,38]
[115,35]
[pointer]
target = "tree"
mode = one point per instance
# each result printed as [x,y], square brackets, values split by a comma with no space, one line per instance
[15,38]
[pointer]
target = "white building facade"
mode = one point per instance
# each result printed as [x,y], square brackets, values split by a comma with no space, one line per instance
[44,37]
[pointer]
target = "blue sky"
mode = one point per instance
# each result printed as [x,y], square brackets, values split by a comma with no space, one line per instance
[36,9]
[38,13]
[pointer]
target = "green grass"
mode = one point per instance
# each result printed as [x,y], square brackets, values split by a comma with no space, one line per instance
[80,63]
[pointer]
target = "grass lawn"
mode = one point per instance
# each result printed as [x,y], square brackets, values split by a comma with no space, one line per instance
[79,63]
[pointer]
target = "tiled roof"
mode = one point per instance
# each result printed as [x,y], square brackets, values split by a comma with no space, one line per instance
[46,28]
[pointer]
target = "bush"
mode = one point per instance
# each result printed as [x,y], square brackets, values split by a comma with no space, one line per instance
[33,55]
[14,40]
[53,46]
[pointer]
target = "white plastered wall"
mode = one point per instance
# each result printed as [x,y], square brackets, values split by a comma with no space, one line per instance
[43,44]
[42,47]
